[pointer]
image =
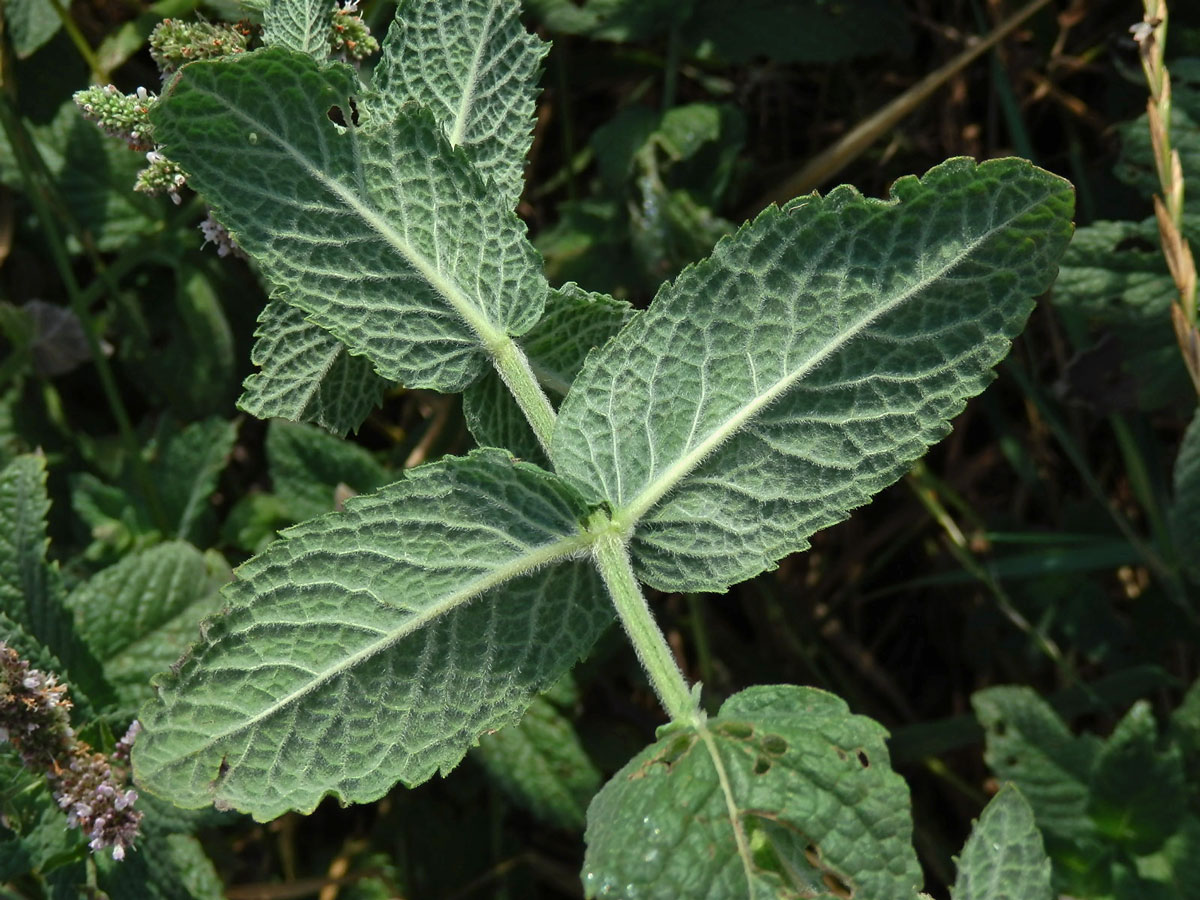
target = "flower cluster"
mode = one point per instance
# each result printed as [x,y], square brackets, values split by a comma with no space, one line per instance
[34,718]
[173,43]
[349,36]
[215,233]
[124,116]
[160,175]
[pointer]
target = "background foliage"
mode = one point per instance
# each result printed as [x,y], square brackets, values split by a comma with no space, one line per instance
[1046,543]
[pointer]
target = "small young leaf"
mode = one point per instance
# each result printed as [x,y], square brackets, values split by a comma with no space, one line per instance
[806,364]
[540,763]
[476,67]
[784,791]
[307,375]
[1004,858]
[141,614]
[1029,745]
[384,234]
[301,25]
[377,644]
[1138,797]
[575,322]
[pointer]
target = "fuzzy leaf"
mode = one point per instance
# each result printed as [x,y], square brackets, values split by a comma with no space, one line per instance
[476,67]
[385,235]
[576,321]
[1029,745]
[804,798]
[377,644]
[307,375]
[301,25]
[1004,858]
[141,614]
[806,364]
[187,470]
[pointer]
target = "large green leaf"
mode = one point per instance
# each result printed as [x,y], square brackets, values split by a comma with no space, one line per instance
[476,67]
[806,364]
[377,644]
[1004,858]
[784,794]
[31,23]
[307,375]
[141,614]
[384,234]
[576,321]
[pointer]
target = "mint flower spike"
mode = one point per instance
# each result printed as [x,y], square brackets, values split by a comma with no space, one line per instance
[173,43]
[349,36]
[34,718]
[125,116]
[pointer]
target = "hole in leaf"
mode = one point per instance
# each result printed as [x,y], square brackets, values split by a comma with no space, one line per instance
[774,744]
[841,754]
[675,750]
[863,759]
[739,731]
[223,769]
[762,766]
[353,111]
[336,116]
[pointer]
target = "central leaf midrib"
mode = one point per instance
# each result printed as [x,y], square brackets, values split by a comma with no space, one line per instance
[458,132]
[470,312]
[629,514]
[540,556]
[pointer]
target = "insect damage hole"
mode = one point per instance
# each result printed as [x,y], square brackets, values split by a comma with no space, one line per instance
[338,116]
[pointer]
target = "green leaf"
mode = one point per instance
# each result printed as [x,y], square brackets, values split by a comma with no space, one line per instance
[1029,745]
[31,23]
[186,472]
[1136,164]
[308,468]
[1004,858]
[382,233]
[541,765]
[308,375]
[300,25]
[473,64]
[141,614]
[377,644]
[1138,797]
[806,364]
[31,589]
[612,20]
[783,793]
[575,322]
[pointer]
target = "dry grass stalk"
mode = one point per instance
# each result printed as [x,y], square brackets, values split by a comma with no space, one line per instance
[1151,36]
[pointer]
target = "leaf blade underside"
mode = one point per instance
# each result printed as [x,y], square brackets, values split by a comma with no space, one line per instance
[476,67]
[806,364]
[377,644]
[382,233]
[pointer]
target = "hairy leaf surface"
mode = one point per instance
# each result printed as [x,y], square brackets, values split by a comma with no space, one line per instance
[785,793]
[377,644]
[381,232]
[307,375]
[1004,858]
[301,25]
[806,364]
[575,322]
[476,67]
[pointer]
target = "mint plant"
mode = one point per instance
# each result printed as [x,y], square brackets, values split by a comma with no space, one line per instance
[766,392]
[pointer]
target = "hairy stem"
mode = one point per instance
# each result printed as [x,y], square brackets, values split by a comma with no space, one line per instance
[612,559]
[513,365]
